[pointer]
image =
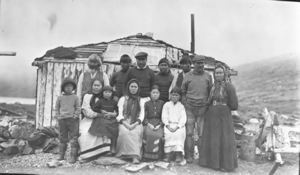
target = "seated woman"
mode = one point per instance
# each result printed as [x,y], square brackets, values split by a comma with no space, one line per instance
[174,118]
[218,148]
[91,146]
[131,115]
[106,125]
[153,127]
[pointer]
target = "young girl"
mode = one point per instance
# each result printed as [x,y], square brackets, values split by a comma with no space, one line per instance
[153,126]
[174,119]
[106,124]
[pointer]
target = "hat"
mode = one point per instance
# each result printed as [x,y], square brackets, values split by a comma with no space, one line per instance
[199,58]
[164,60]
[185,60]
[67,81]
[176,90]
[141,55]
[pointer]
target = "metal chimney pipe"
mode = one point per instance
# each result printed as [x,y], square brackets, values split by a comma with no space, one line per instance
[192,34]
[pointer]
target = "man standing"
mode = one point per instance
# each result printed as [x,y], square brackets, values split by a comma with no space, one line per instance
[164,79]
[196,87]
[185,64]
[142,73]
[118,78]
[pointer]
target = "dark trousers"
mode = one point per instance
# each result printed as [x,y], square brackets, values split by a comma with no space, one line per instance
[69,128]
[194,115]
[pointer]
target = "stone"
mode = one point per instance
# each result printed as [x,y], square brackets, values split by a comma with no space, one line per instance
[109,161]
[21,131]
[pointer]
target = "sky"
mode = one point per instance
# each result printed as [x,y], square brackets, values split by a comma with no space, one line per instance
[235,31]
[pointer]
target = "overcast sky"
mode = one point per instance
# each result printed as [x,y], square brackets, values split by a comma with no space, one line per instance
[235,32]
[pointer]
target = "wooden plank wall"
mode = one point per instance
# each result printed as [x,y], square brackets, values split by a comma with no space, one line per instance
[50,77]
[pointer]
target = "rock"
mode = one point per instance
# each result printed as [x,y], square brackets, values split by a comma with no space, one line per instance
[22,130]
[4,132]
[37,140]
[109,161]
[137,167]
[163,165]
[21,145]
[27,150]
[2,139]
[9,143]
[51,145]
[50,131]
[54,164]
[12,150]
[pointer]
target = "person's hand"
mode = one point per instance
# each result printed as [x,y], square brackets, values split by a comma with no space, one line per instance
[116,98]
[169,128]
[151,126]
[126,124]
[84,112]
[134,125]
[156,127]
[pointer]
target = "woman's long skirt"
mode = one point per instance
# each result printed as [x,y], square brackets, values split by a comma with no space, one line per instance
[129,142]
[218,148]
[153,143]
[91,146]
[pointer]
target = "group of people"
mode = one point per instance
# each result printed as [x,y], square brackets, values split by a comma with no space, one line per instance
[141,115]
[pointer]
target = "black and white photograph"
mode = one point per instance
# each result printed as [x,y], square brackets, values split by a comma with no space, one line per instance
[173,87]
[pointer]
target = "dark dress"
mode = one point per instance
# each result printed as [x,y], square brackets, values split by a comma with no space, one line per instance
[153,140]
[218,148]
[102,126]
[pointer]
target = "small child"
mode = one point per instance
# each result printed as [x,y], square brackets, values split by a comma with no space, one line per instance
[67,111]
[153,126]
[174,119]
[106,124]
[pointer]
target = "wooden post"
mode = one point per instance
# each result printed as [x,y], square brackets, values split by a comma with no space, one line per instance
[6,53]
[192,34]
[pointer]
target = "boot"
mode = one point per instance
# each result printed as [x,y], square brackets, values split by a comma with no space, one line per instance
[62,151]
[73,155]
[178,157]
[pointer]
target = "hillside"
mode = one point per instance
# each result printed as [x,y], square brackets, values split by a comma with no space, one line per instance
[271,83]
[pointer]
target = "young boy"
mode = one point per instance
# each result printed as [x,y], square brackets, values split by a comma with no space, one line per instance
[118,78]
[164,79]
[67,110]
[174,119]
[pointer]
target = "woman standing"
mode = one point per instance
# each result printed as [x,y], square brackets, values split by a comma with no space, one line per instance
[131,115]
[218,149]
[91,146]
[95,72]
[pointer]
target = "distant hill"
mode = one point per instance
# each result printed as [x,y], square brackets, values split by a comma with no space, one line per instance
[16,84]
[271,83]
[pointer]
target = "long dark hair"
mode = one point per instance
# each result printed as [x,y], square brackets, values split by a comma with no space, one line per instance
[134,96]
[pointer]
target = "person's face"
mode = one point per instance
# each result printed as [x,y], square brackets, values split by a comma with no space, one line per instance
[96,87]
[141,62]
[219,74]
[199,66]
[155,94]
[163,67]
[133,88]
[186,67]
[68,89]
[107,94]
[175,97]
[125,66]
[93,67]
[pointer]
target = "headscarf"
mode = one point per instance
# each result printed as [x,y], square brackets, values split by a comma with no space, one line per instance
[218,91]
[132,106]
[93,99]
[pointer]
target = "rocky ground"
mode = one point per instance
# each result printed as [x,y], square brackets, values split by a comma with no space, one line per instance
[37,164]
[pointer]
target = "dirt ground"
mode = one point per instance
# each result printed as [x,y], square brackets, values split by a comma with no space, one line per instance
[36,164]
